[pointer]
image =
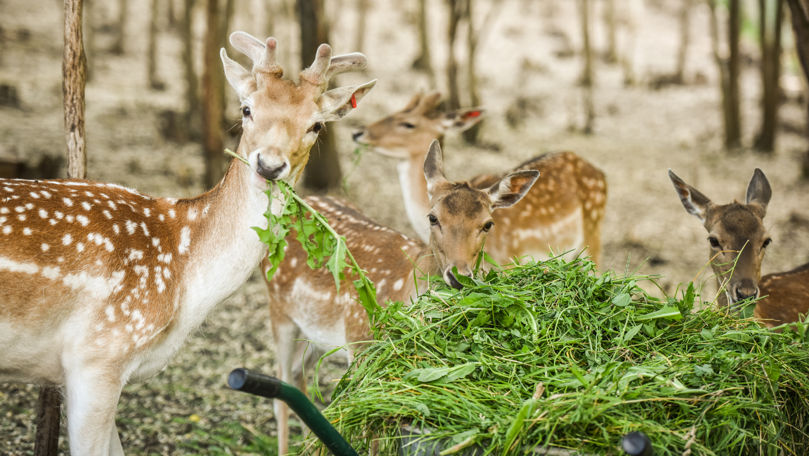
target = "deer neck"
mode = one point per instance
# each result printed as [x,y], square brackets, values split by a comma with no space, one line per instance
[223,249]
[414,194]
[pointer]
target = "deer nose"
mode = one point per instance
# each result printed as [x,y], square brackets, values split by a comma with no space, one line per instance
[745,290]
[357,135]
[269,172]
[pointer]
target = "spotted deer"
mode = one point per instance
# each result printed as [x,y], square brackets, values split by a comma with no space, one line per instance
[304,303]
[100,284]
[561,213]
[738,241]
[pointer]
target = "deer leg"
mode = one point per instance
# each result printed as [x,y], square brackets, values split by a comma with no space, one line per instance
[116,449]
[92,397]
[286,334]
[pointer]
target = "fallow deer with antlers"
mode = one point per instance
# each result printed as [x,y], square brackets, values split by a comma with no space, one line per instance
[738,241]
[305,304]
[100,284]
[561,213]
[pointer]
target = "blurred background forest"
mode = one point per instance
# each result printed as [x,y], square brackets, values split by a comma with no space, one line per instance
[709,88]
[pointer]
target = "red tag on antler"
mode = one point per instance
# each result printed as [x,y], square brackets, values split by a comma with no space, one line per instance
[353,101]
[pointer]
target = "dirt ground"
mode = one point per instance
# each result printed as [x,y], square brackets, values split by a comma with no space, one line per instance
[526,70]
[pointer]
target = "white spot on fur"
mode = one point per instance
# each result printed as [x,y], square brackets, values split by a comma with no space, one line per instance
[68,202]
[130,226]
[185,240]
[83,220]
[43,213]
[45,247]
[26,231]
[86,205]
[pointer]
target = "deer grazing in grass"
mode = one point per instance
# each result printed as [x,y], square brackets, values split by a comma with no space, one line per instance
[738,241]
[561,213]
[100,285]
[304,303]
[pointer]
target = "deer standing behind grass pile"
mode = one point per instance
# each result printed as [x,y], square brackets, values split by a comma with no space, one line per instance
[100,285]
[305,304]
[561,213]
[738,241]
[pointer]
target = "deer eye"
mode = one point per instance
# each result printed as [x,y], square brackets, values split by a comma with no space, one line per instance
[714,242]
[316,127]
[408,125]
[766,243]
[433,219]
[246,111]
[487,226]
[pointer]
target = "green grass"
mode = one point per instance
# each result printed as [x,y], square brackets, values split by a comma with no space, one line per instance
[554,354]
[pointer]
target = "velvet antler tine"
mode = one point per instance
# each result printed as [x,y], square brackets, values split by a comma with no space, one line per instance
[346,62]
[316,73]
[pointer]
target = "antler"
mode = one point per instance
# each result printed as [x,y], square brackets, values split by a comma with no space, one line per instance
[325,67]
[261,53]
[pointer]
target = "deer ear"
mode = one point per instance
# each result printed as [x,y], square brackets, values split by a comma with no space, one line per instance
[511,188]
[461,119]
[238,77]
[336,103]
[693,200]
[759,191]
[434,167]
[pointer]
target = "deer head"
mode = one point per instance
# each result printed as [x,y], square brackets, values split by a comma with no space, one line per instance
[460,216]
[736,235]
[406,134]
[281,119]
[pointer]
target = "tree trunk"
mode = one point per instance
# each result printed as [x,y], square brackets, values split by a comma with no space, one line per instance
[587,71]
[323,171]
[424,61]
[222,38]
[151,50]
[171,14]
[770,38]
[685,40]
[728,72]
[74,68]
[609,21]
[455,12]
[733,133]
[473,33]
[362,15]
[191,90]
[212,88]
[47,421]
[799,12]
[89,38]
[120,35]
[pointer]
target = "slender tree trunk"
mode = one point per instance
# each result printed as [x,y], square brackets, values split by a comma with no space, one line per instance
[359,30]
[74,68]
[587,70]
[212,87]
[424,61]
[222,37]
[733,134]
[472,39]
[455,12]
[771,13]
[799,13]
[728,72]
[609,21]
[323,170]
[120,35]
[685,39]
[190,75]
[151,50]
[171,14]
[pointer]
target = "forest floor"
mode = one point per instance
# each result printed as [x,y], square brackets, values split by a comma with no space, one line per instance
[528,71]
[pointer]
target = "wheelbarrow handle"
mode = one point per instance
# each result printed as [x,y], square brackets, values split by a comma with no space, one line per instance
[247,381]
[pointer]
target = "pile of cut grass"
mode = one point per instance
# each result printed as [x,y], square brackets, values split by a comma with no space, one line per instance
[552,354]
